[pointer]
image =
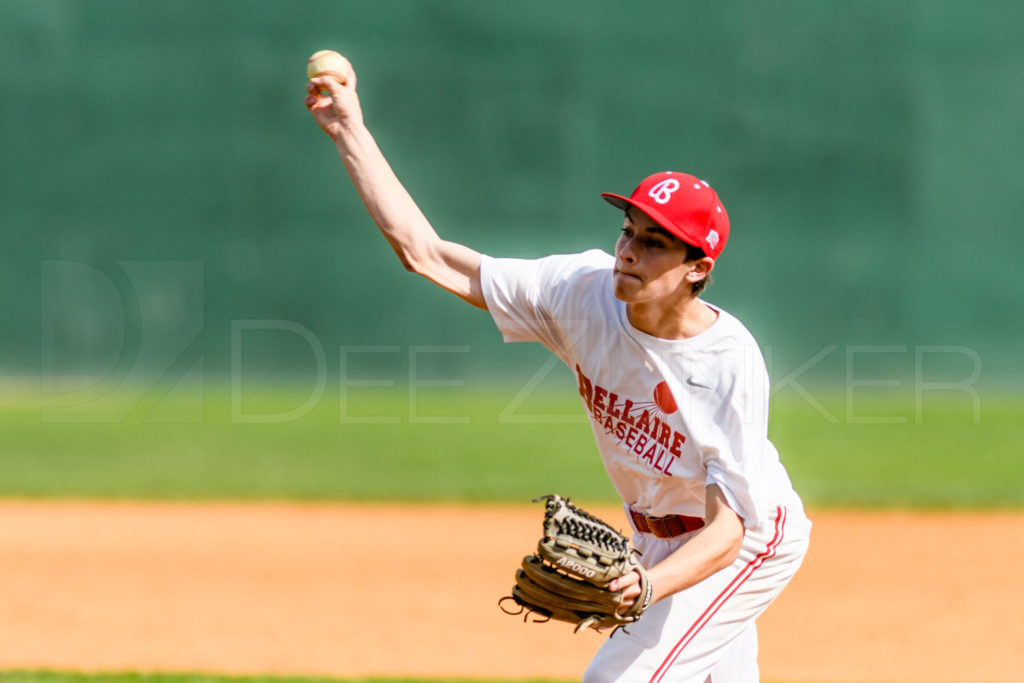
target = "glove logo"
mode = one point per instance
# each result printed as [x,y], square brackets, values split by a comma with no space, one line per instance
[575,567]
[662,192]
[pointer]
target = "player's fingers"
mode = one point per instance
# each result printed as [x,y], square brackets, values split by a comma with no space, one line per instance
[626,581]
[312,93]
[317,98]
[629,598]
[328,85]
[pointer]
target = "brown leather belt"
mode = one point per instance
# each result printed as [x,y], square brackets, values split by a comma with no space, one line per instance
[667,526]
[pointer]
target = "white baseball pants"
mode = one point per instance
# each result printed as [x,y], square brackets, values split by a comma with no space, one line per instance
[706,632]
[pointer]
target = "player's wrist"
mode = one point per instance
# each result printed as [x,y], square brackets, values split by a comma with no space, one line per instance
[347,132]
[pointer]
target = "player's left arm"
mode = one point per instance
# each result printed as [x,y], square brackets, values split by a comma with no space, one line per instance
[712,548]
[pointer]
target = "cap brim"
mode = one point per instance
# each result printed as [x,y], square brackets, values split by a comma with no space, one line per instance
[623,203]
[617,200]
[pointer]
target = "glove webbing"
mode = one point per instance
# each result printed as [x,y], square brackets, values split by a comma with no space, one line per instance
[597,531]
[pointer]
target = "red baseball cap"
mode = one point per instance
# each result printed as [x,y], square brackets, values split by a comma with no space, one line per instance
[684,205]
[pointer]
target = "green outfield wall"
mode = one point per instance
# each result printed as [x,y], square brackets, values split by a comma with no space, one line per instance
[169,212]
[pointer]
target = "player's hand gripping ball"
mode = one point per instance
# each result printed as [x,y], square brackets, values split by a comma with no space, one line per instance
[331,92]
[331,64]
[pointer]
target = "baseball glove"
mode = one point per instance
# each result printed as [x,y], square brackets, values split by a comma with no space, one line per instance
[567,578]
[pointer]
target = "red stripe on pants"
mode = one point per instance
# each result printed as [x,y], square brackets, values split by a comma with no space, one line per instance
[728,592]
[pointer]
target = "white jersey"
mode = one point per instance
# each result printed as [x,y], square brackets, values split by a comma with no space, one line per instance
[670,416]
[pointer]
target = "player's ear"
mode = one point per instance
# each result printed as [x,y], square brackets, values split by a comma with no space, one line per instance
[702,268]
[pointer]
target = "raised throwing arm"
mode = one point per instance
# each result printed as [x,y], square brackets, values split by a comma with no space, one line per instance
[452,266]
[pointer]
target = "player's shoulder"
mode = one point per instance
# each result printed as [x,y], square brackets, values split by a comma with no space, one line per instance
[589,261]
[551,282]
[731,327]
[576,285]
[572,270]
[733,346]
[729,334]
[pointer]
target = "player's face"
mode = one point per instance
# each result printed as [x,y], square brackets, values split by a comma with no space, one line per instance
[651,265]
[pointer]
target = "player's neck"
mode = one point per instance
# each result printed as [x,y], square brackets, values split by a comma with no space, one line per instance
[683,320]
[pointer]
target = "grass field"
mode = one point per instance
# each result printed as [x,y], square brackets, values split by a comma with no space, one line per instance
[467,446]
[479,447]
[62,677]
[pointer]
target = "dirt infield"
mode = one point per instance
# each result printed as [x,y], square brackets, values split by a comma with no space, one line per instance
[383,590]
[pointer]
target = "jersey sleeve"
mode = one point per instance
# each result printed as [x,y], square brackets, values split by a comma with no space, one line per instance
[740,464]
[540,299]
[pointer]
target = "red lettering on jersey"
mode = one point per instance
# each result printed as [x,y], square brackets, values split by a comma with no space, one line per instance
[627,410]
[664,434]
[612,400]
[649,455]
[647,435]
[677,441]
[663,468]
[586,389]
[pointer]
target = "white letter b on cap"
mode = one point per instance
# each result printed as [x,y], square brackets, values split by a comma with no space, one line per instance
[662,192]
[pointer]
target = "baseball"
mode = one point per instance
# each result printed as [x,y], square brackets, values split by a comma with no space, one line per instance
[330,63]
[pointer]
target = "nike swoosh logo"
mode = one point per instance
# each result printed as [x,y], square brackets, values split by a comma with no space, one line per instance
[692,383]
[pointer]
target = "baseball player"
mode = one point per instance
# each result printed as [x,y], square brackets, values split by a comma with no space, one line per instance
[675,389]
